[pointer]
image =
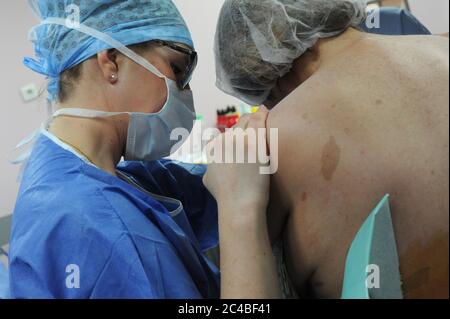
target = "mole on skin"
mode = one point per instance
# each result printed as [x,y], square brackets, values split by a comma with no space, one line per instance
[331,156]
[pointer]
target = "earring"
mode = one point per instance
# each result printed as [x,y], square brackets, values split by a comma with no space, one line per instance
[113,77]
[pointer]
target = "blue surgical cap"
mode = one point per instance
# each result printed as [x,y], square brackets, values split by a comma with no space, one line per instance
[59,47]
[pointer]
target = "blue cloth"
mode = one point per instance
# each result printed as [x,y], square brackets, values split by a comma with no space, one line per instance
[396,21]
[4,282]
[59,48]
[124,241]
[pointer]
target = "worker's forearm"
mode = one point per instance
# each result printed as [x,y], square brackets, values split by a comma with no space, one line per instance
[247,264]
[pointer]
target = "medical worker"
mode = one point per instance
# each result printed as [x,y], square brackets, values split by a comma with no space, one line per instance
[85,226]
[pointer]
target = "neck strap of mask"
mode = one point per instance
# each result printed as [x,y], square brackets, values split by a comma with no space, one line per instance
[108,40]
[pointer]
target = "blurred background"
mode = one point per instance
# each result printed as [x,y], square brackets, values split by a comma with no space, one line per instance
[18,83]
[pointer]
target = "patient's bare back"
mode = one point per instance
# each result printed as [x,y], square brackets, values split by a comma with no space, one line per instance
[371,121]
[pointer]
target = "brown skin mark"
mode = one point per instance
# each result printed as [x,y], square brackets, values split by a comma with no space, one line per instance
[430,280]
[304,197]
[417,280]
[331,156]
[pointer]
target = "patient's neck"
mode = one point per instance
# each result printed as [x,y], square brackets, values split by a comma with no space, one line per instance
[324,50]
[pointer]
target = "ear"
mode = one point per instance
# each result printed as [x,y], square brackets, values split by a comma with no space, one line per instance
[107,62]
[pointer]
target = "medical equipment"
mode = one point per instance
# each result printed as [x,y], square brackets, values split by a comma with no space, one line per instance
[227,118]
[372,269]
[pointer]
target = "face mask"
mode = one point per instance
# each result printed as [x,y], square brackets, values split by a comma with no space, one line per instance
[149,135]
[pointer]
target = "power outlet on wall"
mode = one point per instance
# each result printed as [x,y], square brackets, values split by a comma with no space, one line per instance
[29,92]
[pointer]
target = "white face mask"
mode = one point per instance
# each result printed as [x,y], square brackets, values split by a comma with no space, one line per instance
[148,134]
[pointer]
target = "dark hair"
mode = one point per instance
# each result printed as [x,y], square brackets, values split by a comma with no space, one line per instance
[69,77]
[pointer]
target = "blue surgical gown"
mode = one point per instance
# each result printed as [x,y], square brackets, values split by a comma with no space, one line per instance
[124,242]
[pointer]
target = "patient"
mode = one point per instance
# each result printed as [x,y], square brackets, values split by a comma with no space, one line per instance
[359,116]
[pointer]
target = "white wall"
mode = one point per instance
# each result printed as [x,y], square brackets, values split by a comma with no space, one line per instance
[19,118]
[202,16]
[432,13]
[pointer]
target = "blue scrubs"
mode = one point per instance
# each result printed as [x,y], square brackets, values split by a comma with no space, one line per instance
[124,242]
[396,21]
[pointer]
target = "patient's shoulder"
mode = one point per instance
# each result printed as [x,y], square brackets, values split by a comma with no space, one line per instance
[314,111]
[325,139]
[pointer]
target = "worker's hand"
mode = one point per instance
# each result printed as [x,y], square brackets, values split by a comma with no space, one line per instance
[240,187]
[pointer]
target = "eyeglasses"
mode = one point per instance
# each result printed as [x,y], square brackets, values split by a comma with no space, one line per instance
[185,76]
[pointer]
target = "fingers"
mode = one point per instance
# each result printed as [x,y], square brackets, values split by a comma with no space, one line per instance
[258,119]
[258,123]
[250,126]
[243,121]
[255,120]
